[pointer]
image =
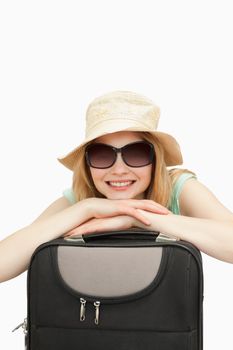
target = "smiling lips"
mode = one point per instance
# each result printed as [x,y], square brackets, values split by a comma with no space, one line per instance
[120,184]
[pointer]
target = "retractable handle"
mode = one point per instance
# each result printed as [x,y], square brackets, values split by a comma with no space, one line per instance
[123,234]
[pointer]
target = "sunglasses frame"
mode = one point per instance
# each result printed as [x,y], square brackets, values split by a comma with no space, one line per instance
[119,150]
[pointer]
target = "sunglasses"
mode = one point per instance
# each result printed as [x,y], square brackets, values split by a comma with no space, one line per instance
[136,154]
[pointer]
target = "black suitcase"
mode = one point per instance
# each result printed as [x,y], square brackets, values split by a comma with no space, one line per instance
[121,290]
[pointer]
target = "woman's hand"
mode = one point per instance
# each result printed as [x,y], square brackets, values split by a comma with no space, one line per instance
[103,208]
[121,222]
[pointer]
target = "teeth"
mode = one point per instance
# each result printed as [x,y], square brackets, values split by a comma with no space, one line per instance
[120,184]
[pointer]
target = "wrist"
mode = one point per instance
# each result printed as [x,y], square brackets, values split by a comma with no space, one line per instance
[87,209]
[156,220]
[139,223]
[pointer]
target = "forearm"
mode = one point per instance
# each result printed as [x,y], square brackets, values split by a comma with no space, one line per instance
[212,237]
[17,249]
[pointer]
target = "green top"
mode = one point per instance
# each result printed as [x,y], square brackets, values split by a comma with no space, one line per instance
[174,207]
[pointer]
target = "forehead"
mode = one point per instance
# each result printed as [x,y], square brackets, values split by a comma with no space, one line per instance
[120,138]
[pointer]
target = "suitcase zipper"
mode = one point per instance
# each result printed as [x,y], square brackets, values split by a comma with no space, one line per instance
[23,325]
[83,309]
[97,311]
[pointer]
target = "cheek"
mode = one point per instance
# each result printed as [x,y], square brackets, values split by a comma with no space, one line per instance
[145,174]
[97,174]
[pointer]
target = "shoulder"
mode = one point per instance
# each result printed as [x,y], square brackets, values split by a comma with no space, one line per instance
[69,194]
[196,200]
[178,178]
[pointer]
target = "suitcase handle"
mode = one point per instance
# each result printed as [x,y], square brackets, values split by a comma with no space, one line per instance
[129,234]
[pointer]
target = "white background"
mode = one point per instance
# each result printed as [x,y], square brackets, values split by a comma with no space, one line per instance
[56,56]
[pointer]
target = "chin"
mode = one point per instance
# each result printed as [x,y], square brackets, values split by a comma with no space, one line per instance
[124,196]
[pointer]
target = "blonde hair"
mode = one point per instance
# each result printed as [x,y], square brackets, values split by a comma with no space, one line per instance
[162,179]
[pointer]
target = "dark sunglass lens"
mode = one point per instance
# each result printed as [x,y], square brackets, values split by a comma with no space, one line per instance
[138,154]
[100,156]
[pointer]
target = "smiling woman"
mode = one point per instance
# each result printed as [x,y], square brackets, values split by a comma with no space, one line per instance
[98,171]
[121,180]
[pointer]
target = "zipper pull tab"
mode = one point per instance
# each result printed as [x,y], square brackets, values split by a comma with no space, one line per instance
[97,311]
[82,309]
[20,325]
[23,325]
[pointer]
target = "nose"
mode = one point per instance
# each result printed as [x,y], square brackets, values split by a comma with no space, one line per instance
[119,165]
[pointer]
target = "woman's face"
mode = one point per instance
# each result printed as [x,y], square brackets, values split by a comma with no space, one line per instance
[120,171]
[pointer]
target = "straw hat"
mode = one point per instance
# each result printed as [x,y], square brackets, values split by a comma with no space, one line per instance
[128,111]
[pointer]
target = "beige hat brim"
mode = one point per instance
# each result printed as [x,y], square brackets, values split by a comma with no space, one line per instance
[172,153]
